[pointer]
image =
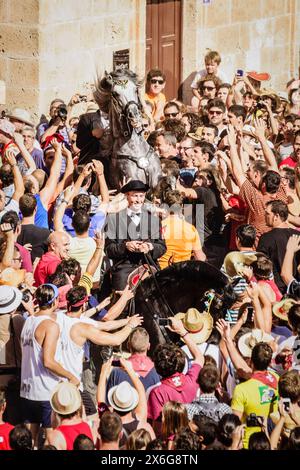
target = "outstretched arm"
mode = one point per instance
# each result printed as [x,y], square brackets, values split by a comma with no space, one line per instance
[47,193]
[30,163]
[18,180]
[237,168]
[239,363]
[293,245]
[99,171]
[177,327]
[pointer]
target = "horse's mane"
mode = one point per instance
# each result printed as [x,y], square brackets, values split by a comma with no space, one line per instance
[103,86]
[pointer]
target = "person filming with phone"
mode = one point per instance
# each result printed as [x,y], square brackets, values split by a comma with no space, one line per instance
[287,417]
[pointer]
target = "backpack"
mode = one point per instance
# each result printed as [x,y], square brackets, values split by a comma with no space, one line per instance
[210,410]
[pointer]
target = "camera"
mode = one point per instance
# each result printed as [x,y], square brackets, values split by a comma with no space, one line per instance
[286,404]
[62,112]
[26,295]
[250,314]
[260,105]
[254,421]
[239,73]
[106,353]
[116,363]
[163,321]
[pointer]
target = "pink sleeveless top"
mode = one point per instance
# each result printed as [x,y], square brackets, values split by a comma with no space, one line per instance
[273,286]
[72,431]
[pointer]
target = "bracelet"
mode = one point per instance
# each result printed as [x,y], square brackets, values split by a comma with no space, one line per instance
[64,200]
[186,333]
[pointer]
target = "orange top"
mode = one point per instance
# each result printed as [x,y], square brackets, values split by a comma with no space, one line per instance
[181,239]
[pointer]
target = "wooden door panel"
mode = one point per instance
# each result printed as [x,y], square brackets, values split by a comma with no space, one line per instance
[163,39]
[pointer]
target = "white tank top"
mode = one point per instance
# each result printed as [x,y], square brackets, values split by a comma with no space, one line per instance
[37,382]
[71,354]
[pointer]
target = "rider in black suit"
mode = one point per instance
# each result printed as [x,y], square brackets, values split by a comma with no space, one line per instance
[132,233]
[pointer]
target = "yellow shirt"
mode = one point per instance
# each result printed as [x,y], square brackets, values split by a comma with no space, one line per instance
[181,239]
[253,396]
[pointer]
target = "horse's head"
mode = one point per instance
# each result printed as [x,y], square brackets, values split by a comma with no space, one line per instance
[122,86]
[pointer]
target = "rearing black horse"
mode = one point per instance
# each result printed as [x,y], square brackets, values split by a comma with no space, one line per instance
[173,290]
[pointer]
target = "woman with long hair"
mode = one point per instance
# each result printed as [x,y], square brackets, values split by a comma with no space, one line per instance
[174,419]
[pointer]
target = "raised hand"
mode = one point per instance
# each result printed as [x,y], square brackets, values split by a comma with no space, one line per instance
[7,229]
[176,326]
[231,135]
[98,167]
[19,139]
[99,239]
[223,328]
[293,244]
[10,157]
[260,128]
[87,170]
[55,144]
[135,321]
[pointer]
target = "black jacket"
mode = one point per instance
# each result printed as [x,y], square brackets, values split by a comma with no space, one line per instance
[120,229]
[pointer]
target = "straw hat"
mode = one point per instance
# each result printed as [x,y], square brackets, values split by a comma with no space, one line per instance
[196,135]
[7,127]
[200,325]
[12,277]
[123,397]
[65,398]
[21,115]
[249,340]
[282,308]
[272,94]
[91,107]
[283,96]
[235,261]
[10,299]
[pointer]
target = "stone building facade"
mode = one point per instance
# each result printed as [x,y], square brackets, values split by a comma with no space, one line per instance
[51,48]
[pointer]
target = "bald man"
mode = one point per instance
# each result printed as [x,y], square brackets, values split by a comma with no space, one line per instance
[58,249]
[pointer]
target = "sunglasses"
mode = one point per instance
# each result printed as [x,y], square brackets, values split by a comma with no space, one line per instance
[171,114]
[209,88]
[154,80]
[185,148]
[215,112]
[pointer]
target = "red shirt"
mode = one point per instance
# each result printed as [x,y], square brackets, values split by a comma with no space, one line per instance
[72,431]
[5,429]
[289,162]
[46,266]
[179,387]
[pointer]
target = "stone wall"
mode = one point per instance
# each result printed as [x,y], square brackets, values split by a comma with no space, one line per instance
[53,48]
[262,35]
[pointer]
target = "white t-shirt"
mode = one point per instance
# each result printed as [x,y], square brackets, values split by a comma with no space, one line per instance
[202,73]
[206,349]
[11,206]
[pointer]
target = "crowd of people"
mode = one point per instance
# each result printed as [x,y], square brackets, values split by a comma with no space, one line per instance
[77,367]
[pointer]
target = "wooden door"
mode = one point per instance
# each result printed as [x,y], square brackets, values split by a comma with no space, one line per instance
[163,42]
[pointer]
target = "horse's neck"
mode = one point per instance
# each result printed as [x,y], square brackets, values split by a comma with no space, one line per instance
[134,145]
